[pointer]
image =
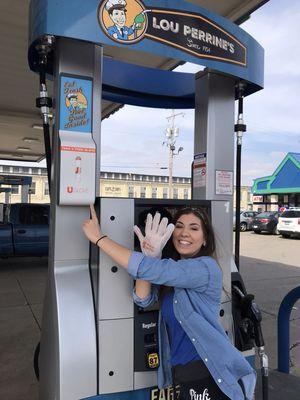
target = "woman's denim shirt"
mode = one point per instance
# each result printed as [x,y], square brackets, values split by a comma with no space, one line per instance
[197,286]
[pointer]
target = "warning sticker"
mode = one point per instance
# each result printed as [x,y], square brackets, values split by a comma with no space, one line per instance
[199,170]
[224,182]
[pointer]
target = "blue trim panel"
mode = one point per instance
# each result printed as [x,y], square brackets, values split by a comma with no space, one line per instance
[262,185]
[296,156]
[287,177]
[147,87]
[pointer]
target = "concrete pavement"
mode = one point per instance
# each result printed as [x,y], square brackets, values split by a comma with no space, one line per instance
[270,268]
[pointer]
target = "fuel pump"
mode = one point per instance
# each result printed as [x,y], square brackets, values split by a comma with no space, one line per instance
[94,341]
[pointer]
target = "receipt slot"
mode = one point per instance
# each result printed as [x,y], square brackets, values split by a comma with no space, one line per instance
[128,335]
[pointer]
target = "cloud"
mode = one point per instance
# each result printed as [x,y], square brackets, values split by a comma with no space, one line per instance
[277,29]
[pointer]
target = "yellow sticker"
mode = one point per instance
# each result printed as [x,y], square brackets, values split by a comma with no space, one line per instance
[153,360]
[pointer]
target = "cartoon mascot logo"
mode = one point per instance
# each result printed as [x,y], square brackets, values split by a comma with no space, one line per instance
[76,101]
[123,21]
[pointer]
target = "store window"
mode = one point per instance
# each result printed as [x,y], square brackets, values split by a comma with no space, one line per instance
[32,188]
[143,192]
[186,194]
[34,215]
[46,189]
[154,193]
[292,200]
[14,189]
[130,191]
[175,193]
[165,193]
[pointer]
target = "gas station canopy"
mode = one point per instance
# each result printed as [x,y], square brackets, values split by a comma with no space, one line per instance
[20,125]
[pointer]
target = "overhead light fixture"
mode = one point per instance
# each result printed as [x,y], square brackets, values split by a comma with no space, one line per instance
[23,148]
[30,140]
[38,127]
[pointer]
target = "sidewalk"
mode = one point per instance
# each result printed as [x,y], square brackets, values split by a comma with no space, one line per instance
[281,386]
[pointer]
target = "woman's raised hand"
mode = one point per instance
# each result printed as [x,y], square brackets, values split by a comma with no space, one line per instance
[91,226]
[157,233]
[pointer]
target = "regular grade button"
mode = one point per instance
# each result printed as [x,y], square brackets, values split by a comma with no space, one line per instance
[153,360]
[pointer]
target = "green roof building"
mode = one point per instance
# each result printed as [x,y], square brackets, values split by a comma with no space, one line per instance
[281,189]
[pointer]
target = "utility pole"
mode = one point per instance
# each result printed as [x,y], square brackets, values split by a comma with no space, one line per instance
[172,133]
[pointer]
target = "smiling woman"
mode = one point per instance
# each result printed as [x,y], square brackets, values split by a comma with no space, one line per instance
[193,235]
[194,350]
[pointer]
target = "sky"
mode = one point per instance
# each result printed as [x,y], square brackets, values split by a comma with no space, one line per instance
[132,138]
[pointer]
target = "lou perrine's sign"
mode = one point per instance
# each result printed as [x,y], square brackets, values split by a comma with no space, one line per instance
[195,34]
[128,22]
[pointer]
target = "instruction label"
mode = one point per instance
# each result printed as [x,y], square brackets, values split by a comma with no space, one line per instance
[77,168]
[224,182]
[199,170]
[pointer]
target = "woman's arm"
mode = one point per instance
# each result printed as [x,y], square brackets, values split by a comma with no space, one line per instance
[142,288]
[118,253]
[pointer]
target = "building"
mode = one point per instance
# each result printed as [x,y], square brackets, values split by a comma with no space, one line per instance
[112,184]
[281,189]
[246,198]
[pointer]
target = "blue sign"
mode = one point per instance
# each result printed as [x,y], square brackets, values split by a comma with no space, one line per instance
[75,104]
[168,28]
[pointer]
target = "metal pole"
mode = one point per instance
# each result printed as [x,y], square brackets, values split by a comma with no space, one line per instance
[44,102]
[239,128]
[238,203]
[283,329]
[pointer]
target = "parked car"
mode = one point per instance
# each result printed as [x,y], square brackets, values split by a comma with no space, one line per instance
[289,222]
[24,230]
[266,221]
[246,219]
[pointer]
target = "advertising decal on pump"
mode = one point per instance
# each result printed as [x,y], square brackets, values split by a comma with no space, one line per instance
[77,148]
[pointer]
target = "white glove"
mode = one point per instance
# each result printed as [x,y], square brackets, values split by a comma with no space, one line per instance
[156,235]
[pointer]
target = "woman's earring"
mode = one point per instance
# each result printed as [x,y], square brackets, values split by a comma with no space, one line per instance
[204,244]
